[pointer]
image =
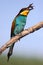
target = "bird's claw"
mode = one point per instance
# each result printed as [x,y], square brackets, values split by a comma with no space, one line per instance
[8,46]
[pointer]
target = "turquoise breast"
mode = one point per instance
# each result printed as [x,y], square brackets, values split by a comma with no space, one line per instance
[20,23]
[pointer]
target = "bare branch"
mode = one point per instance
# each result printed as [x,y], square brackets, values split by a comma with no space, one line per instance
[20,35]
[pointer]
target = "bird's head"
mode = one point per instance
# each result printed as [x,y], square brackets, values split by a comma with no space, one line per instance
[25,11]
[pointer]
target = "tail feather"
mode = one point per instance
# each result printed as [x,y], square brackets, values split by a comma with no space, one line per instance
[10,51]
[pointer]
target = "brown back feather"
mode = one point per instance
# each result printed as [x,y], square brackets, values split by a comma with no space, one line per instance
[12,27]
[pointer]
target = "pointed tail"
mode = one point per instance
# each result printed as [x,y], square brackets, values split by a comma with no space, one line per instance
[10,51]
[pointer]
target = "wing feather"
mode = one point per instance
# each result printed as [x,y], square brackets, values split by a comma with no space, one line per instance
[12,28]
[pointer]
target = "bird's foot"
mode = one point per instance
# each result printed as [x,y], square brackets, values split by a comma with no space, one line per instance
[19,39]
[8,46]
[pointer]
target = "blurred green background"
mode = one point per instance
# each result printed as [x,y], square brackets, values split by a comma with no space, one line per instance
[15,60]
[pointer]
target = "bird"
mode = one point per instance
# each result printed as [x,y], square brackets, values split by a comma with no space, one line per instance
[18,25]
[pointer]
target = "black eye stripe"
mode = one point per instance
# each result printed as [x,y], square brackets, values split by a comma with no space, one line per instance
[22,10]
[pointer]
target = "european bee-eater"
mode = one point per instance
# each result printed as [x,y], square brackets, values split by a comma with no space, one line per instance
[18,25]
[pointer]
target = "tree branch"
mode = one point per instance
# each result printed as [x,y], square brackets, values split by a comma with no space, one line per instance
[20,35]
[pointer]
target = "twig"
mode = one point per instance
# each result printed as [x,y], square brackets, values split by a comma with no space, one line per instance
[20,35]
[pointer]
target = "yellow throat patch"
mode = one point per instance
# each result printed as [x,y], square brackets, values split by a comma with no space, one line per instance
[25,12]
